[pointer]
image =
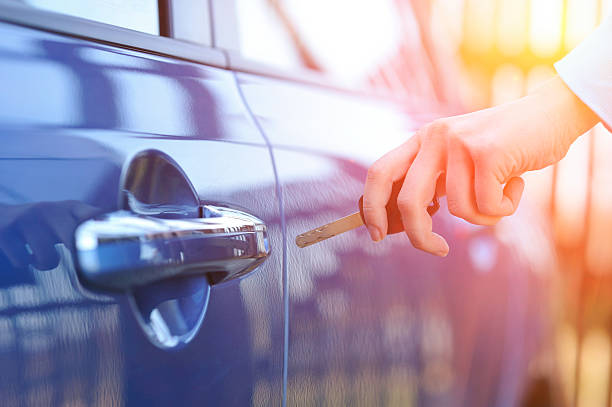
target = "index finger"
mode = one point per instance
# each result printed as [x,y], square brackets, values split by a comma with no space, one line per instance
[379,182]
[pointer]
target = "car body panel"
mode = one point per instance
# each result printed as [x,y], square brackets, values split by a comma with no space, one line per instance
[369,324]
[382,323]
[74,113]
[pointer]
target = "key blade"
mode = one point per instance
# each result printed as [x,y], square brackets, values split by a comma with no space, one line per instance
[332,229]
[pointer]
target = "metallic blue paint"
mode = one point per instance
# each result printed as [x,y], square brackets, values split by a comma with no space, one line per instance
[74,114]
[369,323]
[382,323]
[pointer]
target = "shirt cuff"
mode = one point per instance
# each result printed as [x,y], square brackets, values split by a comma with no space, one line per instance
[587,71]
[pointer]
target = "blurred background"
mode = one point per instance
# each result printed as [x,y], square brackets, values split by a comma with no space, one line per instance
[480,53]
[504,49]
[444,57]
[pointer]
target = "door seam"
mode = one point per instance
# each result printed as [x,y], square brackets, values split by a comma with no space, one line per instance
[279,195]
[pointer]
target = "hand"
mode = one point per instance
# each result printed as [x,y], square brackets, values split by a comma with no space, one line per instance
[476,160]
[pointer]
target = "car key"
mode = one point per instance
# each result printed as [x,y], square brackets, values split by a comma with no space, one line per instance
[356,219]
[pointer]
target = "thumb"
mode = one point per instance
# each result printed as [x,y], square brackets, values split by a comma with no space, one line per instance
[495,199]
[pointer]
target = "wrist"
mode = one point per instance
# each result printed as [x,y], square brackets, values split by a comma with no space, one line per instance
[566,114]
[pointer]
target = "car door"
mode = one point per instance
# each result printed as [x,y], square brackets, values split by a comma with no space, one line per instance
[381,323]
[109,295]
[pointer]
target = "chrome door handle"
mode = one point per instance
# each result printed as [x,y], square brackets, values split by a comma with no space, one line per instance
[122,249]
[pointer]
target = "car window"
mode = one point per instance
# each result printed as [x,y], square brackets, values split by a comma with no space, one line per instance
[262,36]
[139,15]
[335,38]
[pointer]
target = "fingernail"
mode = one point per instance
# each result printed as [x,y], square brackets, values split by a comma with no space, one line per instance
[442,253]
[375,233]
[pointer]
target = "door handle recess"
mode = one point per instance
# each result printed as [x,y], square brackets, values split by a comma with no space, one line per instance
[122,249]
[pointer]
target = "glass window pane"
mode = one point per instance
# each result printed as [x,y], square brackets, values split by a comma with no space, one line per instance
[263,36]
[360,43]
[139,15]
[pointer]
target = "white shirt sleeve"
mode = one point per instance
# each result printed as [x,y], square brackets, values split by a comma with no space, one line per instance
[587,71]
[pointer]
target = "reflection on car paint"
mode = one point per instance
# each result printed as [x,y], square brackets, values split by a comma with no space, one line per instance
[171,312]
[370,324]
[378,316]
[70,120]
[152,96]
[382,323]
[76,340]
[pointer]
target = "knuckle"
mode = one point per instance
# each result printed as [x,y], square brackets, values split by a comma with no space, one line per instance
[483,152]
[370,215]
[406,206]
[479,151]
[456,208]
[417,238]
[487,208]
[377,171]
[455,141]
[441,130]
[439,127]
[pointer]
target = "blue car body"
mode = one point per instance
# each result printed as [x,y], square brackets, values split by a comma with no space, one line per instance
[344,322]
